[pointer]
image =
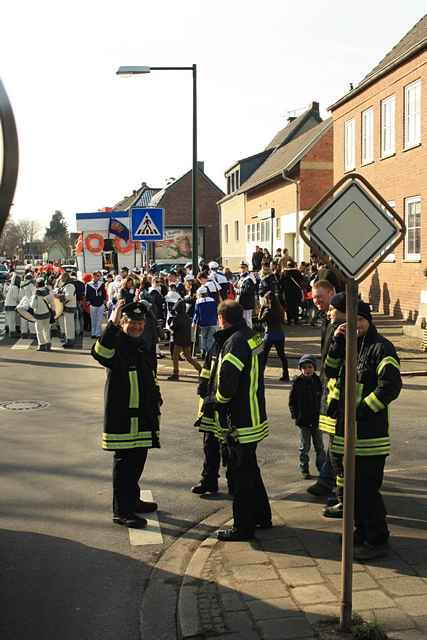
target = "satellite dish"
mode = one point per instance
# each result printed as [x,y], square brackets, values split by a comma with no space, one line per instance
[9,156]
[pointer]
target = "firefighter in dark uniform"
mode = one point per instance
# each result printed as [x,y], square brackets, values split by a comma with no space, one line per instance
[378,384]
[132,409]
[233,408]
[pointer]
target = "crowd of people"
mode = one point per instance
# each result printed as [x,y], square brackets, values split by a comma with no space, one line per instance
[233,415]
[182,305]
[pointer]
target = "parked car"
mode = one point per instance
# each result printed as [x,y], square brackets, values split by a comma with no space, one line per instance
[4,272]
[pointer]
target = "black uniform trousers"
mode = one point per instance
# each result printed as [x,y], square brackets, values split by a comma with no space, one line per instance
[250,501]
[369,509]
[128,465]
[211,461]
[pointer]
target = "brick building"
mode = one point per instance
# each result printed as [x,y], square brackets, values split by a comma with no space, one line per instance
[380,131]
[265,203]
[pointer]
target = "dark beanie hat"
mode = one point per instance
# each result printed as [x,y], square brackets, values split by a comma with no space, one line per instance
[338,301]
[307,357]
[364,310]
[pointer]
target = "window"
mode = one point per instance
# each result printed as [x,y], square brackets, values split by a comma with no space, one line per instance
[226,234]
[349,144]
[236,230]
[253,232]
[278,228]
[249,233]
[388,107]
[237,178]
[228,184]
[413,228]
[258,232]
[262,232]
[367,136]
[267,230]
[412,114]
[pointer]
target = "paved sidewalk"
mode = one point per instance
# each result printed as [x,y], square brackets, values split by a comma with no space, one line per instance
[282,584]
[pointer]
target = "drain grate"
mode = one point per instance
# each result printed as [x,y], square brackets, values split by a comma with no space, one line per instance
[23,405]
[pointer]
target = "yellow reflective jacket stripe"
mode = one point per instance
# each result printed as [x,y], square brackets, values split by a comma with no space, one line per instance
[374,403]
[205,373]
[220,398]
[104,352]
[385,361]
[327,424]
[134,390]
[234,360]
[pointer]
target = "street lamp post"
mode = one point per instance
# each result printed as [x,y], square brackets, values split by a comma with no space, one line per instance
[131,70]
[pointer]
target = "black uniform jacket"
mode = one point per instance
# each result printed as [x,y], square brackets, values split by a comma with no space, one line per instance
[232,386]
[378,384]
[132,395]
[304,400]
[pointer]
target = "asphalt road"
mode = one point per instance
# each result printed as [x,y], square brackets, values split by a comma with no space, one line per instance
[66,571]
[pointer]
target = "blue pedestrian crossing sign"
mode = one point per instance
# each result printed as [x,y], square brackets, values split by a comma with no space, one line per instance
[147,223]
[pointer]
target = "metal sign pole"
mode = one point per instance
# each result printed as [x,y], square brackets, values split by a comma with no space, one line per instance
[349,455]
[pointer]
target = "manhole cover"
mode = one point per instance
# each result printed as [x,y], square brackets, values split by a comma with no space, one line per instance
[23,405]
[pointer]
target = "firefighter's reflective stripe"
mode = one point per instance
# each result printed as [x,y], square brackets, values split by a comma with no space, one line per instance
[364,446]
[385,361]
[132,440]
[133,389]
[327,424]
[333,391]
[253,391]
[220,398]
[334,363]
[374,403]
[234,360]
[205,373]
[104,352]
[339,481]
[359,393]
[252,434]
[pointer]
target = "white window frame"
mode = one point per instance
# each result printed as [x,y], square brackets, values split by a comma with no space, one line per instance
[278,228]
[349,145]
[367,155]
[253,232]
[388,126]
[411,256]
[258,231]
[412,115]
[226,233]
[236,230]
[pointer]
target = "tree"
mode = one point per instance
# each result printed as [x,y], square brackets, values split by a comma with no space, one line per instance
[9,240]
[28,230]
[57,229]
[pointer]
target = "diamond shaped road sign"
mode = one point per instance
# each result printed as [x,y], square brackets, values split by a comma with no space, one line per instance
[354,225]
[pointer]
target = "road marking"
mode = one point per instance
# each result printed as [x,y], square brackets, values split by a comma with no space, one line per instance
[152,534]
[23,343]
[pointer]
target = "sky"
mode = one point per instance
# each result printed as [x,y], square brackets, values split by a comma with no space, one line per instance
[88,137]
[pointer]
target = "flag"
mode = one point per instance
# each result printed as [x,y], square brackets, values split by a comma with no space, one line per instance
[79,245]
[118,229]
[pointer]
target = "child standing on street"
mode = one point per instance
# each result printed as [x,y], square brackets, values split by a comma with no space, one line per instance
[304,405]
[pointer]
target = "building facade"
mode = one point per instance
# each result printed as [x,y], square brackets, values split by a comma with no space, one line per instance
[270,192]
[380,131]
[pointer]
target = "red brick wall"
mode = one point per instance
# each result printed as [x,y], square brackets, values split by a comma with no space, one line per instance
[177,203]
[394,287]
[316,171]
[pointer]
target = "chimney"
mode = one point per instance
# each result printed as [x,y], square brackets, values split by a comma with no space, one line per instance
[201,165]
[315,109]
